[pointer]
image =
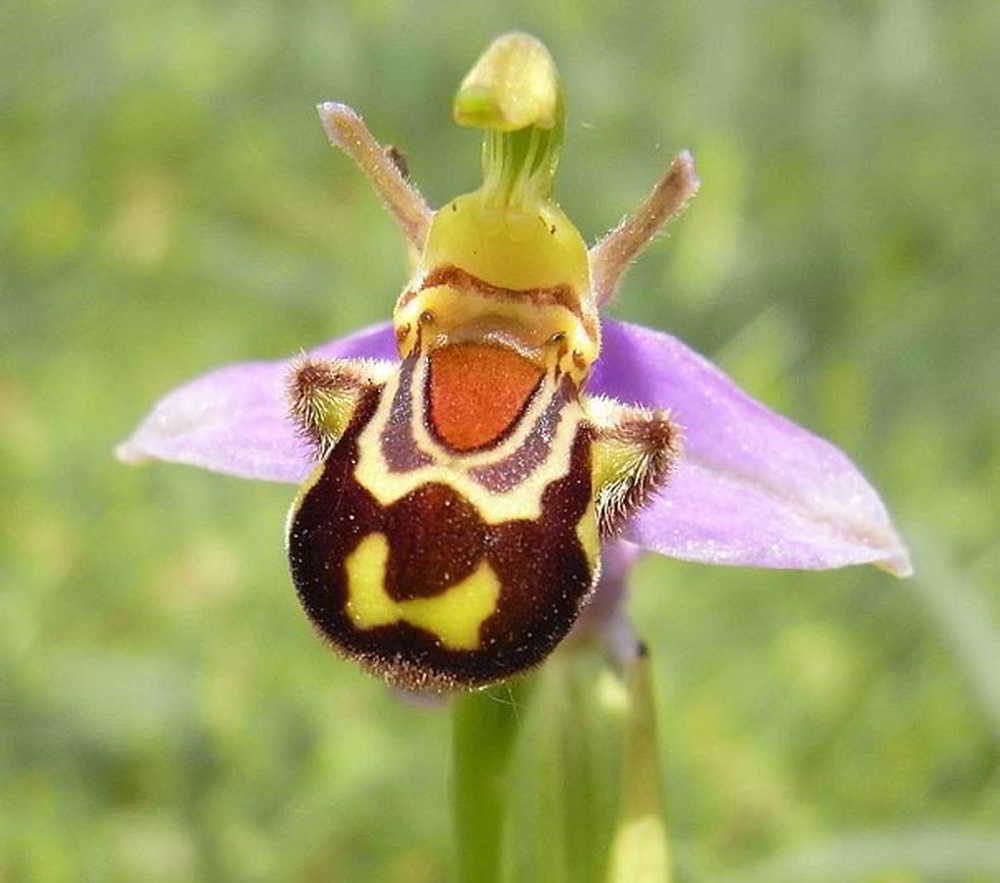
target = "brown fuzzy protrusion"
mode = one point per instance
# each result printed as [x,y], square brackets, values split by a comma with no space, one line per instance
[636,450]
[322,394]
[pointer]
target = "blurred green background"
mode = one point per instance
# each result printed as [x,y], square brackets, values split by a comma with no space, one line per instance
[169,203]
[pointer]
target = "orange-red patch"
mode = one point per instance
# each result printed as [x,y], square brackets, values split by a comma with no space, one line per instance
[476,392]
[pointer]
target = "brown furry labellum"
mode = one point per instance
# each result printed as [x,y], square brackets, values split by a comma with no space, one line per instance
[451,533]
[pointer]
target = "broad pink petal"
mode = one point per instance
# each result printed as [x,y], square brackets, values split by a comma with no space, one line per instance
[752,488]
[235,419]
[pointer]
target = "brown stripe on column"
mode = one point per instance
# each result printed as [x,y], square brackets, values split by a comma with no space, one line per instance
[455,277]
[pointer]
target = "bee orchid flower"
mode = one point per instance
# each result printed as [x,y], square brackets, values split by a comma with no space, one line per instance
[463,465]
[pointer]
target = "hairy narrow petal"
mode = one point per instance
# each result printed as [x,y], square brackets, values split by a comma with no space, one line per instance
[236,419]
[610,257]
[634,451]
[345,128]
[752,487]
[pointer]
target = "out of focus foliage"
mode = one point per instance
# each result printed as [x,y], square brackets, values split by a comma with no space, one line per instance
[169,203]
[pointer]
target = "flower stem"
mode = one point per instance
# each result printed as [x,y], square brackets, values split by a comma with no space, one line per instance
[484,729]
[640,851]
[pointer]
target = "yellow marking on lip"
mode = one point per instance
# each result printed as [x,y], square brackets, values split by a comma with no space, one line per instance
[368,605]
[454,617]
[586,533]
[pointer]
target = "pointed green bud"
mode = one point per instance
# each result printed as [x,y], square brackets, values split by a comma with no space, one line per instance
[513,85]
[513,93]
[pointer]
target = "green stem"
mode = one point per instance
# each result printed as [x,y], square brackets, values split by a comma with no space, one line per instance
[484,729]
[640,850]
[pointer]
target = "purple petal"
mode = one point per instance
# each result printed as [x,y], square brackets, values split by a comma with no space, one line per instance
[605,617]
[752,488]
[235,419]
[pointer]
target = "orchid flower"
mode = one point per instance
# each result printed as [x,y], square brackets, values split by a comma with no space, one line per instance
[465,464]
